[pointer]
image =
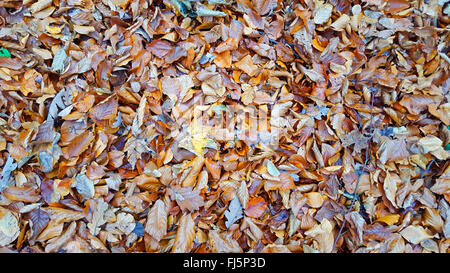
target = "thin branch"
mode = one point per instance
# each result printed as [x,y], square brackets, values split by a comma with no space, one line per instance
[359,173]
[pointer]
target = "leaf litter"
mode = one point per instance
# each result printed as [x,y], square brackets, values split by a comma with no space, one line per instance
[101,149]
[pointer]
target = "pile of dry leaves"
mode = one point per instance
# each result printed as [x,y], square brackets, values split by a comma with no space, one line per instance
[100,151]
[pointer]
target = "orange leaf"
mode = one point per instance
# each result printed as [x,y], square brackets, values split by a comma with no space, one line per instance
[85,103]
[222,59]
[246,65]
[184,239]
[213,168]
[255,207]
[286,183]
[78,145]
[105,110]
[28,195]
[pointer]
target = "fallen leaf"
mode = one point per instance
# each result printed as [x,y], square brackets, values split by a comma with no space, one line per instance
[314,199]
[255,207]
[156,224]
[187,198]
[415,234]
[9,227]
[389,219]
[234,212]
[184,239]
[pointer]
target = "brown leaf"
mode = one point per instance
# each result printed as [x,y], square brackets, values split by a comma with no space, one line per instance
[415,234]
[286,182]
[64,238]
[156,224]
[392,150]
[255,207]
[24,194]
[40,220]
[159,48]
[390,186]
[105,110]
[246,64]
[184,239]
[377,232]
[223,243]
[78,145]
[196,167]
[187,198]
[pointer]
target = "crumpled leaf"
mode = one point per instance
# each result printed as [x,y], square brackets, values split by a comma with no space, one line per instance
[114,181]
[39,220]
[61,100]
[322,14]
[185,234]
[187,198]
[322,233]
[60,61]
[156,224]
[9,227]
[390,187]
[234,212]
[98,218]
[84,186]
[415,234]
[9,166]
[392,150]
[223,243]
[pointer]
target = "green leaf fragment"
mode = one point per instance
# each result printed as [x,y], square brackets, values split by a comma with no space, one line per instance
[4,52]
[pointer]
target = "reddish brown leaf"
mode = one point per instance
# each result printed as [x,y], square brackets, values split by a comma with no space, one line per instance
[255,207]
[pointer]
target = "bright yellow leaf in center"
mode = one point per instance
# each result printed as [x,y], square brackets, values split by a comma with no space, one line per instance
[389,219]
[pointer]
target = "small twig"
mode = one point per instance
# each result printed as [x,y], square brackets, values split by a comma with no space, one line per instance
[427,169]
[359,173]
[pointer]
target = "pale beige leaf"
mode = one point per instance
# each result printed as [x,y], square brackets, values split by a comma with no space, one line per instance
[156,224]
[415,234]
[223,242]
[9,227]
[97,218]
[248,94]
[341,22]
[429,143]
[314,199]
[83,29]
[432,218]
[322,14]
[323,234]
[390,186]
[64,238]
[243,194]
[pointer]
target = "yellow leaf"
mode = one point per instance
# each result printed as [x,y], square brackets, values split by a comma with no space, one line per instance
[199,136]
[389,219]
[53,30]
[198,141]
